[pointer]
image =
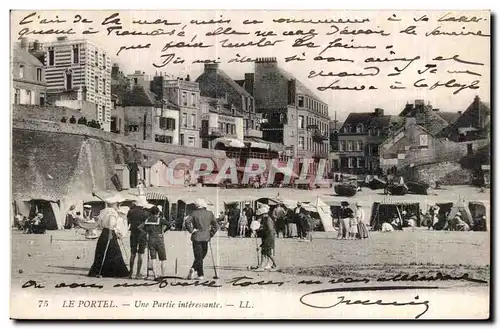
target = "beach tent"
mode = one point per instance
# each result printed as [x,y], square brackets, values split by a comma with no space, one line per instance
[52,216]
[384,213]
[185,207]
[464,211]
[324,213]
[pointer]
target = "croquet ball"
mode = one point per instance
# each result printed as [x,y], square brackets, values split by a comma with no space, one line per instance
[21,271]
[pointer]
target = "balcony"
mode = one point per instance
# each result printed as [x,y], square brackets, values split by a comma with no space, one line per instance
[253,133]
[211,133]
[319,137]
[321,154]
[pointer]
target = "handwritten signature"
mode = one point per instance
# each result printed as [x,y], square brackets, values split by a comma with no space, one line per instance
[308,299]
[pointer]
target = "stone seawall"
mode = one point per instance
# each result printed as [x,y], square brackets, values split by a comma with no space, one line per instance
[167,151]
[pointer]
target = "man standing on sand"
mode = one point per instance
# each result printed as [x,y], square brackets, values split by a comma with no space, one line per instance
[138,238]
[248,211]
[202,226]
[279,220]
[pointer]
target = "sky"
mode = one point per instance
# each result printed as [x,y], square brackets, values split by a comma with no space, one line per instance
[470,48]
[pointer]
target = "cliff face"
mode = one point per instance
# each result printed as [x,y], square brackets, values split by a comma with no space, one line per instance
[53,161]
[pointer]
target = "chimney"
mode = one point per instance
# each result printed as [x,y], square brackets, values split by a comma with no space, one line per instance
[188,78]
[419,102]
[267,60]
[476,102]
[36,45]
[115,70]
[24,43]
[211,67]
[460,112]
[249,81]
[292,88]
[379,112]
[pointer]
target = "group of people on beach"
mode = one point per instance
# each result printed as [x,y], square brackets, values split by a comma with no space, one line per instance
[352,223]
[287,222]
[145,226]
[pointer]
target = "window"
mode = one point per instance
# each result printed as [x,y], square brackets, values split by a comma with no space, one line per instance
[369,149]
[301,101]
[359,128]
[104,61]
[21,71]
[184,119]
[350,145]
[38,74]
[377,132]
[193,120]
[423,140]
[193,99]
[163,139]
[301,121]
[351,163]
[42,100]
[170,123]
[181,139]
[370,132]
[163,123]
[28,97]
[469,149]
[359,146]
[104,86]
[346,128]
[96,58]
[51,57]
[17,94]
[76,54]
[184,98]
[133,128]
[136,81]
[341,146]
[221,127]
[96,81]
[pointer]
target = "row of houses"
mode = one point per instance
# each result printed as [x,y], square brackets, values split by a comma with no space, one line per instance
[269,111]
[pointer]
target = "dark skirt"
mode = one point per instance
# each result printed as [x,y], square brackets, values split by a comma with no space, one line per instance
[113,265]
[267,246]
[362,231]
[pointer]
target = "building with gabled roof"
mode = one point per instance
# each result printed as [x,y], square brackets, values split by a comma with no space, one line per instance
[473,123]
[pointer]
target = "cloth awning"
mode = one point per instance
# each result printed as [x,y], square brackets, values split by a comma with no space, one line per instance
[229,142]
[156,196]
[124,195]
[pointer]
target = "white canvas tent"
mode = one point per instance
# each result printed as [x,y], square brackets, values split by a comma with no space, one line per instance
[324,214]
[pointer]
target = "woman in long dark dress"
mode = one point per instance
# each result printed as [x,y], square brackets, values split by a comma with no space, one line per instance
[108,259]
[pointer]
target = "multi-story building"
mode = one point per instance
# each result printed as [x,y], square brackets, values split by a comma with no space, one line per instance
[335,126]
[28,77]
[219,119]
[79,71]
[145,115]
[216,84]
[185,94]
[292,114]
[359,138]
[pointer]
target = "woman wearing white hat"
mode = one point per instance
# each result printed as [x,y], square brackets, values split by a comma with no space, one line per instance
[108,260]
[360,218]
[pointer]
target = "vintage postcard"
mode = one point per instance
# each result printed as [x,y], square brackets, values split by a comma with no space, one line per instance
[219,164]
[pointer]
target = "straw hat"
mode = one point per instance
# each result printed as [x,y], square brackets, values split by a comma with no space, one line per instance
[143,202]
[200,203]
[113,199]
[87,206]
[262,210]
